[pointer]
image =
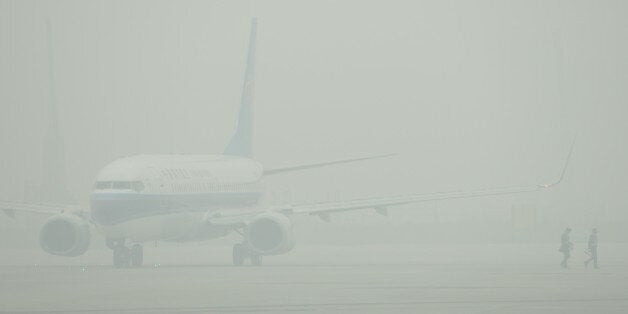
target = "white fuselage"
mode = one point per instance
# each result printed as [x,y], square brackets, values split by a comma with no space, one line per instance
[169,197]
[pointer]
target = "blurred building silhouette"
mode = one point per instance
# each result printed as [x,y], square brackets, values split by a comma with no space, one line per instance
[53,186]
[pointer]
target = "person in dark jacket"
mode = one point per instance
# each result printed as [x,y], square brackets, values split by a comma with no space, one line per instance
[565,247]
[592,249]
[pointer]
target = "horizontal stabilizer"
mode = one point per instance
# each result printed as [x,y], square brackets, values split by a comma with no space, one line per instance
[320,164]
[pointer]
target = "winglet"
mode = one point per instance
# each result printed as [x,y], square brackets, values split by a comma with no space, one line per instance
[562,173]
[242,141]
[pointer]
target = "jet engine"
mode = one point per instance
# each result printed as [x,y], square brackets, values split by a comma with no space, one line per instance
[270,234]
[65,235]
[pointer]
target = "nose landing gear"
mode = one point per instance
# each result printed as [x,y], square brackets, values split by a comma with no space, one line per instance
[137,255]
[123,257]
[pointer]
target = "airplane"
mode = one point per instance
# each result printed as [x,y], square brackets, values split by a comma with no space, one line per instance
[147,198]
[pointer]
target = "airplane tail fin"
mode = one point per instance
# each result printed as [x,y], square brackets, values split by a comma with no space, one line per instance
[242,140]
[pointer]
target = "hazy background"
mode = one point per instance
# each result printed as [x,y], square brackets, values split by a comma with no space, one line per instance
[469,94]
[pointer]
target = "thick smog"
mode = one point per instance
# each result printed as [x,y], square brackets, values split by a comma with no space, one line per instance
[313,156]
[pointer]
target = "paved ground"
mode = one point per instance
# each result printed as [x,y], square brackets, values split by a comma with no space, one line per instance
[394,279]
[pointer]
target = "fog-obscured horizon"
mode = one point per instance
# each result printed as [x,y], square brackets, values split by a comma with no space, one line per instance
[468,94]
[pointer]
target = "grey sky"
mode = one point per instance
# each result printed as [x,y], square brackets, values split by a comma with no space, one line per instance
[468,93]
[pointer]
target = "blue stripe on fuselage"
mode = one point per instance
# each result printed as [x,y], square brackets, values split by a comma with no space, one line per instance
[116,207]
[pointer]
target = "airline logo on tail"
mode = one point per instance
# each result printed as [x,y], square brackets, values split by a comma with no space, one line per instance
[242,141]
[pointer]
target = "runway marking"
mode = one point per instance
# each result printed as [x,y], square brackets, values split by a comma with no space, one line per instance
[314,306]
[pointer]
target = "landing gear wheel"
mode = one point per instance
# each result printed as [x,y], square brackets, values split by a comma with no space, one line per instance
[121,256]
[256,260]
[239,254]
[137,255]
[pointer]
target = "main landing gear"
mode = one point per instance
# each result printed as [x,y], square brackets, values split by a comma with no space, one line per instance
[123,257]
[241,252]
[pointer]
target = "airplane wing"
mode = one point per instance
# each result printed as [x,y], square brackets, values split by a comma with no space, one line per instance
[379,204]
[272,171]
[11,208]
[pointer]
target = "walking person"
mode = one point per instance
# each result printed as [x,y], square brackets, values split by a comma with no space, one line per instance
[592,249]
[565,247]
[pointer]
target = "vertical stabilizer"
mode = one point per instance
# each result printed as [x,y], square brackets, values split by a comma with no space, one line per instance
[242,140]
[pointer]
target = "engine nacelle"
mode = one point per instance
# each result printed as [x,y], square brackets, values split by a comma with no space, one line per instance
[270,234]
[65,235]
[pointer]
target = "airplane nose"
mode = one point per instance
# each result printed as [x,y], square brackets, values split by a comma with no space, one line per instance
[103,209]
[114,208]
[110,209]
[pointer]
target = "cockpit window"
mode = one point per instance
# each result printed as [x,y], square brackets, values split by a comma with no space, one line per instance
[102,185]
[121,185]
[136,186]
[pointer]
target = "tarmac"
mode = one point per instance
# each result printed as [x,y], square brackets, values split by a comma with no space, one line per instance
[498,278]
